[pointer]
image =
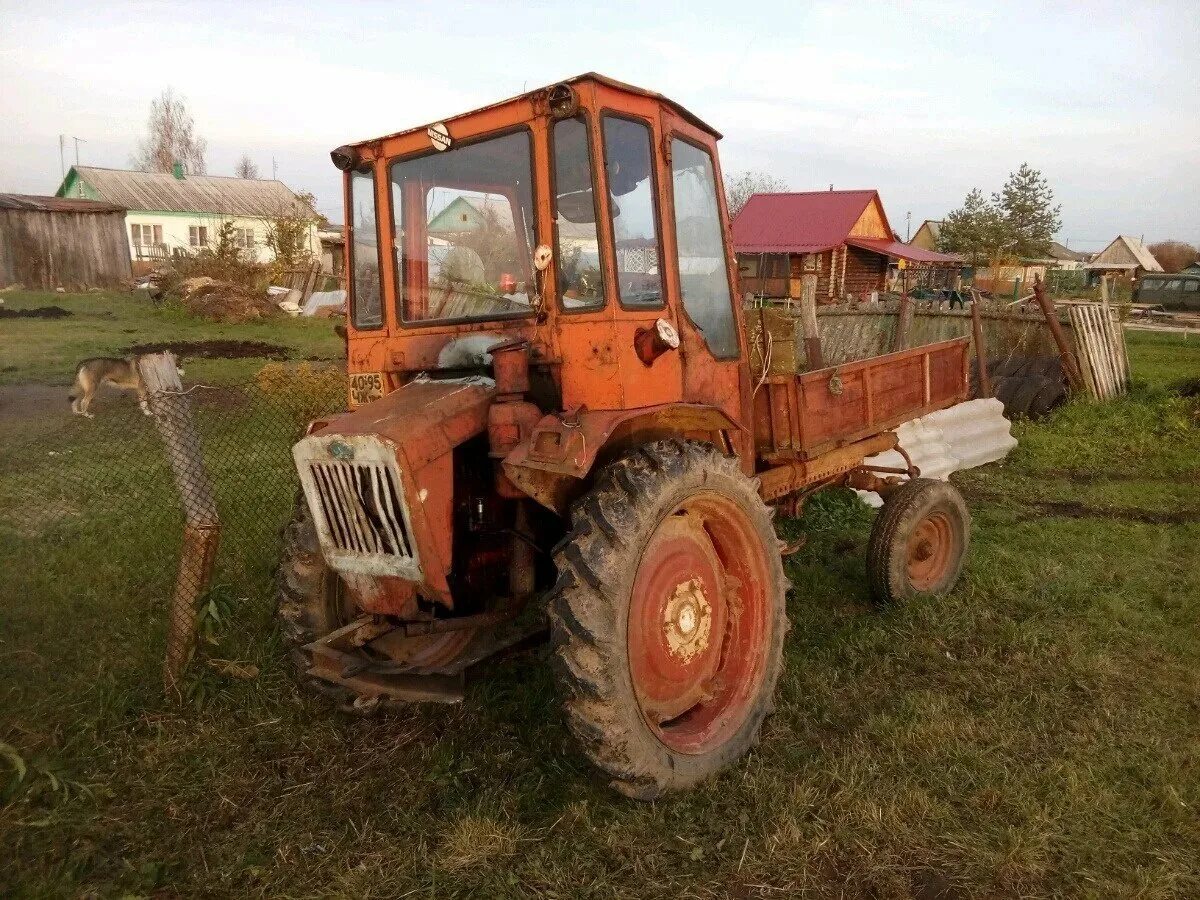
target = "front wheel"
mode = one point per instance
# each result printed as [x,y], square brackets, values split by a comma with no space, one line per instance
[919,542]
[669,617]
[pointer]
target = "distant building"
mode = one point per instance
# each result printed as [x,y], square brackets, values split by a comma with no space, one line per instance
[51,242]
[1066,259]
[1193,269]
[841,237]
[927,235]
[1125,256]
[180,213]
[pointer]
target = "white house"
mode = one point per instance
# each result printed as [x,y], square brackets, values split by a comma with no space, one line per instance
[176,213]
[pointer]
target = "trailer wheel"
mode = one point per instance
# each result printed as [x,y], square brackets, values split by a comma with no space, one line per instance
[919,542]
[669,617]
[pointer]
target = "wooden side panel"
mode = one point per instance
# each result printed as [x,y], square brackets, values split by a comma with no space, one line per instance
[819,411]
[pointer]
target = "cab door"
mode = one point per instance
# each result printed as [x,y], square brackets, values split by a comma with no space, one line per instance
[701,275]
[608,248]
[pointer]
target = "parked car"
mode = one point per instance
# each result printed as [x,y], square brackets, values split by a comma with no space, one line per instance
[1177,292]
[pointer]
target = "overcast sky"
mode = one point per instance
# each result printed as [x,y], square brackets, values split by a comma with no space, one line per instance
[922,101]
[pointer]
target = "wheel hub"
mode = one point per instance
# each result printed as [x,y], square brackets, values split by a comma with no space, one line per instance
[687,620]
[697,623]
[930,551]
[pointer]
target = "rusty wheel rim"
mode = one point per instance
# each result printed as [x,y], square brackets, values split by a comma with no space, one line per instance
[698,621]
[930,551]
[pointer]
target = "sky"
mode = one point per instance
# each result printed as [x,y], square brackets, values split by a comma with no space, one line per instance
[922,101]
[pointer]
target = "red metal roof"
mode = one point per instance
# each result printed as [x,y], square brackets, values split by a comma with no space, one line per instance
[904,251]
[798,223]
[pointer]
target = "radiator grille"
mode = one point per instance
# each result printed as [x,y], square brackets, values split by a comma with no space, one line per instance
[362,508]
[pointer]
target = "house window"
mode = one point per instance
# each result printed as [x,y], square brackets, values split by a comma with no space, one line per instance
[145,235]
[197,235]
[243,238]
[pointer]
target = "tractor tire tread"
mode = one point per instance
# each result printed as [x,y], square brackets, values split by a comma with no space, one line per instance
[585,607]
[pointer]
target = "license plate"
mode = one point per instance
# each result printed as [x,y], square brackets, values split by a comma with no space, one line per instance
[365,387]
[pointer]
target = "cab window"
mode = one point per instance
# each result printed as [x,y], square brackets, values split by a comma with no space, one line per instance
[577,250]
[364,251]
[628,163]
[463,220]
[703,269]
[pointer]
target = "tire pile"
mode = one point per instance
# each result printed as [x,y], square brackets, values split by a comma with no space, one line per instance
[1028,386]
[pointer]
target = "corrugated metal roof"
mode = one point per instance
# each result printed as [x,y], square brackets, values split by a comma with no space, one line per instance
[1058,251]
[798,223]
[211,194]
[903,251]
[35,203]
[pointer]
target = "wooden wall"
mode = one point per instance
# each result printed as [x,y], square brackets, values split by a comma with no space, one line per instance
[71,250]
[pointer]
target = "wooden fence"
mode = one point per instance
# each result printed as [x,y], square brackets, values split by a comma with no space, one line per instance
[1100,348]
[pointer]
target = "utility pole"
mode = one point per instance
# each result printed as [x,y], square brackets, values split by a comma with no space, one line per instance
[77,140]
[908,226]
[62,158]
[274,170]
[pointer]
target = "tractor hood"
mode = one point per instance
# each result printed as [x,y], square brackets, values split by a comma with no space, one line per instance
[379,480]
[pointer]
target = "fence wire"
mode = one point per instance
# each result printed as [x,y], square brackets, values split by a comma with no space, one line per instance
[95,505]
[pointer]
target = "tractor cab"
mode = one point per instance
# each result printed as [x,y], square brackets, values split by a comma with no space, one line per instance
[585,218]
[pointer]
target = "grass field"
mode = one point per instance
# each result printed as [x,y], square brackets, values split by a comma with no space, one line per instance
[1035,734]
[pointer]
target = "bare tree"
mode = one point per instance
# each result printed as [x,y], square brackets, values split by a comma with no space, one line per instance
[245,167]
[1174,256]
[741,186]
[171,139]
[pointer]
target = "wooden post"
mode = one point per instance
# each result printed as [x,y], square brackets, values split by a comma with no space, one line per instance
[985,379]
[903,315]
[172,411]
[1069,363]
[808,322]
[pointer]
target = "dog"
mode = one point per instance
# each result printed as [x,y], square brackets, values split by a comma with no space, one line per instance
[98,370]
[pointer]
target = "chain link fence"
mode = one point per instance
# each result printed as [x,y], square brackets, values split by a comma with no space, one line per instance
[157,509]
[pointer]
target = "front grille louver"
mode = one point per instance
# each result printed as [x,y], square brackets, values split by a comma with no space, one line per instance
[362,507]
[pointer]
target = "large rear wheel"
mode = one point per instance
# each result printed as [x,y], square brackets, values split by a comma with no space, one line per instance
[669,617]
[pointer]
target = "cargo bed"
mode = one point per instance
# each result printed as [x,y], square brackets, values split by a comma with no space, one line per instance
[803,416]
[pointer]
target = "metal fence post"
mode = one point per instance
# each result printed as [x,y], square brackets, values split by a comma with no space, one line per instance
[172,411]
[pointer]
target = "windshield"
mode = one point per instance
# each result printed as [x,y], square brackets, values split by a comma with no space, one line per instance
[463,221]
[364,251]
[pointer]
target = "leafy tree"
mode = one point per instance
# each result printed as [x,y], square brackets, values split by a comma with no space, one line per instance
[1018,222]
[245,167]
[1174,256]
[741,186]
[172,138]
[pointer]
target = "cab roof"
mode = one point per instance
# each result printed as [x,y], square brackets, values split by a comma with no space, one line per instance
[578,79]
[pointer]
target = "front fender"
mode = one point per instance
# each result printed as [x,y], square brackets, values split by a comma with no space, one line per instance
[553,464]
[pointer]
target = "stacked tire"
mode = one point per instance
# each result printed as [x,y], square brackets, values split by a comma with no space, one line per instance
[1029,387]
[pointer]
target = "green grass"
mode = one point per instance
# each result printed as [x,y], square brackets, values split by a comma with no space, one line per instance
[104,323]
[1035,734]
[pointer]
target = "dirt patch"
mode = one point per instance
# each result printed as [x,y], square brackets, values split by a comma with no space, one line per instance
[214,349]
[1073,509]
[38,312]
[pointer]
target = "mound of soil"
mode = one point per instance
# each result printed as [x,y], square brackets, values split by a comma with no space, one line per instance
[214,349]
[38,312]
[223,302]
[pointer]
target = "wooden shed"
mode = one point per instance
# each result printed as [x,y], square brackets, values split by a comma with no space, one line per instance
[49,242]
[840,238]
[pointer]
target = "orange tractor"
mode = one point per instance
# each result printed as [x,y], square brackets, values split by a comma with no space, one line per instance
[555,426]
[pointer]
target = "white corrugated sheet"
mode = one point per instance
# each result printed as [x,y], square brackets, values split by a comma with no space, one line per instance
[961,437]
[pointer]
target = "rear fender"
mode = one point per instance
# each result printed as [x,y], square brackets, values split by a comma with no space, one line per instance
[554,463]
